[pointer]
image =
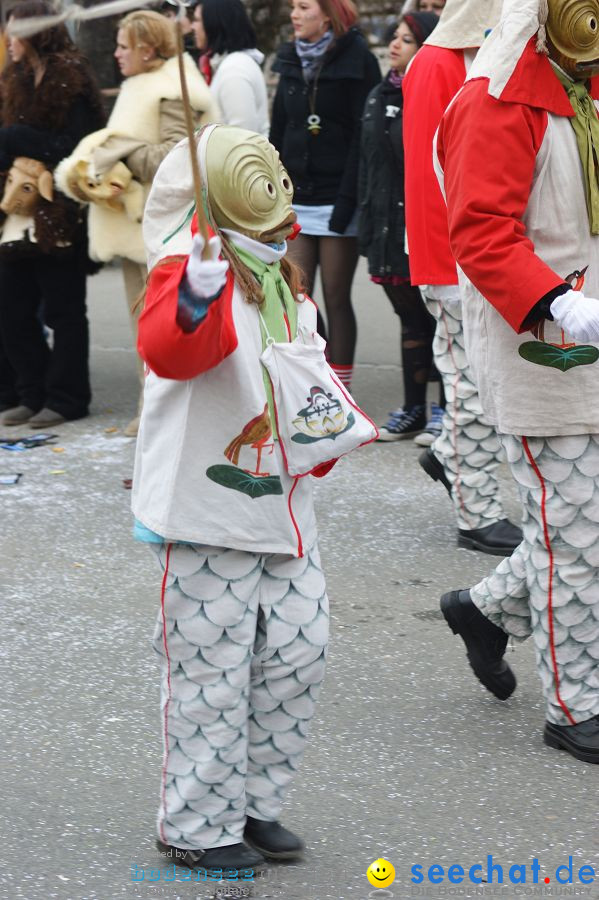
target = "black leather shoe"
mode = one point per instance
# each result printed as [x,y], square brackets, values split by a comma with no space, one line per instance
[272,840]
[485,643]
[582,740]
[239,857]
[433,466]
[500,539]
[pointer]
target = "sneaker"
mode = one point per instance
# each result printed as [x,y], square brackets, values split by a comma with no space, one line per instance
[433,427]
[403,423]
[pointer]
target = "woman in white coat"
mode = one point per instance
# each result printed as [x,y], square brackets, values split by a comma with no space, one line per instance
[145,124]
[231,63]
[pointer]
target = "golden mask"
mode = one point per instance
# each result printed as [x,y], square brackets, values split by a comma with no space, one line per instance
[249,189]
[573,33]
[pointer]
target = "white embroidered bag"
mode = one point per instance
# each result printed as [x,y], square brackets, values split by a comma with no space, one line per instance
[317,419]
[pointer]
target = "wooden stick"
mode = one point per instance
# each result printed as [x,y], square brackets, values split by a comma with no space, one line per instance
[189,125]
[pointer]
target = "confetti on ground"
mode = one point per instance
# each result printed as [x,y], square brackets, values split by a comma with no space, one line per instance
[27,442]
[10,479]
[111,430]
[58,472]
[79,565]
[127,483]
[57,449]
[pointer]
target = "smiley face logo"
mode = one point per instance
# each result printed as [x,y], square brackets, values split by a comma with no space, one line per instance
[380,873]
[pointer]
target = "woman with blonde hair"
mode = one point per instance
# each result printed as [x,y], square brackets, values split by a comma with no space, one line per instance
[326,75]
[114,168]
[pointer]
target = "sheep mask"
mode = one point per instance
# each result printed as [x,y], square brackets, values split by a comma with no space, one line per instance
[27,181]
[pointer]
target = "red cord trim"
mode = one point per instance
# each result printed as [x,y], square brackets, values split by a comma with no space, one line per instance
[300,546]
[537,472]
[169,695]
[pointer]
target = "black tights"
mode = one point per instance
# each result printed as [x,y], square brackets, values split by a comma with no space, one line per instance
[337,257]
[417,333]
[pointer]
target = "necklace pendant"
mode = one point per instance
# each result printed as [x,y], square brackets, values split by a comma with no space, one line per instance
[313,124]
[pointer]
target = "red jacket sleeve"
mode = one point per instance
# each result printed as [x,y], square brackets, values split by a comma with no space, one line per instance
[432,80]
[487,149]
[169,351]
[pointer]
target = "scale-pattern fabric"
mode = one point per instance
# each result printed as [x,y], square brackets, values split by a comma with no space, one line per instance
[246,638]
[516,595]
[469,448]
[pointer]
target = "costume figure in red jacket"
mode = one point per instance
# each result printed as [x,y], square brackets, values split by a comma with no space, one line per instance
[466,454]
[242,628]
[516,152]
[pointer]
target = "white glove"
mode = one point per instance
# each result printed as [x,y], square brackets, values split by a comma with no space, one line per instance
[206,277]
[577,315]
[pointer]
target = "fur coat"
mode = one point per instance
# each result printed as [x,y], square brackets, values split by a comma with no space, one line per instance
[149,111]
[45,122]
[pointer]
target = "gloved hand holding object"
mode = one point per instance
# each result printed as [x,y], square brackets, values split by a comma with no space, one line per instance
[577,315]
[206,277]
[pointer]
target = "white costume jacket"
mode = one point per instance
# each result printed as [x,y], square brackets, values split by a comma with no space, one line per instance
[206,470]
[519,228]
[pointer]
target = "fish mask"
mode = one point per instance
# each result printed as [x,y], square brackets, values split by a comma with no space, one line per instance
[573,36]
[249,190]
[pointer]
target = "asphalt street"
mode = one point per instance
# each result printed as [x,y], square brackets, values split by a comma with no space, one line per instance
[410,758]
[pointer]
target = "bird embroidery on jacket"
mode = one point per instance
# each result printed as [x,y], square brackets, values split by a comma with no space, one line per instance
[255,435]
[562,355]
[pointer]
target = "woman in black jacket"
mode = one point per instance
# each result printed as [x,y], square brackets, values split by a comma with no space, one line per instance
[49,101]
[382,230]
[325,76]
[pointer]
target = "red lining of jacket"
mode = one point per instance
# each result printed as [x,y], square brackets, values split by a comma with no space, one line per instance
[163,345]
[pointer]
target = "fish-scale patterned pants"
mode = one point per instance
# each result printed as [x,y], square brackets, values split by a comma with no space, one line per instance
[549,586]
[242,639]
[469,448]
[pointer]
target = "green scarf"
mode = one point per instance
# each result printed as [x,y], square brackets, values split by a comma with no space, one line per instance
[278,300]
[586,128]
